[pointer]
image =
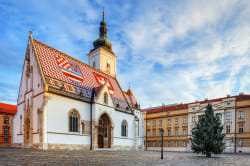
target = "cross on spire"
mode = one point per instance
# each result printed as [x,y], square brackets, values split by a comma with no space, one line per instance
[103,13]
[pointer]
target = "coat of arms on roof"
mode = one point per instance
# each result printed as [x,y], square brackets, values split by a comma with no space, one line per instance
[70,69]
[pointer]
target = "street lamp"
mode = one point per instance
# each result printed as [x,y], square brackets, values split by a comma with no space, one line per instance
[162,132]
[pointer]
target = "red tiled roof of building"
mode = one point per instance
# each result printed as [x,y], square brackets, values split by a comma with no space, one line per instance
[130,97]
[183,106]
[167,108]
[8,108]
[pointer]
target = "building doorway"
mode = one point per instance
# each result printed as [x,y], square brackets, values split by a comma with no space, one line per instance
[104,132]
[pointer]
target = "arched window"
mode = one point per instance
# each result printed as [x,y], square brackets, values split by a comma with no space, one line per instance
[74,120]
[124,129]
[105,100]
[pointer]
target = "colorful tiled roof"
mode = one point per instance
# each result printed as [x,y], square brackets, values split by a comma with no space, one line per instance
[130,98]
[63,72]
[8,108]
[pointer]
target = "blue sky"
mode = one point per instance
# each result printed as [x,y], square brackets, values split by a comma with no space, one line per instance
[169,51]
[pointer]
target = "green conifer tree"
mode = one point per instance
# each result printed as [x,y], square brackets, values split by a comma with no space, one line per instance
[207,136]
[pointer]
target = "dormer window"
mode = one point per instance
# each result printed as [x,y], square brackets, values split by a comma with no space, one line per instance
[108,68]
[105,99]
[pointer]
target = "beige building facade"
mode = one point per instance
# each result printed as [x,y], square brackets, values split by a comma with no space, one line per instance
[232,111]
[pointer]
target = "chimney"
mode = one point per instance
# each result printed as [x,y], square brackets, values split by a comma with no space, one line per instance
[206,99]
[228,95]
[163,104]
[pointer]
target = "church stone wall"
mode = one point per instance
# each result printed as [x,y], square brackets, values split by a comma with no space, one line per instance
[58,120]
[17,131]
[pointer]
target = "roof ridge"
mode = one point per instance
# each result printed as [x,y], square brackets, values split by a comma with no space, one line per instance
[73,58]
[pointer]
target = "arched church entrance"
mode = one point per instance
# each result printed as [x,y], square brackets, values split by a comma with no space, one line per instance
[104,132]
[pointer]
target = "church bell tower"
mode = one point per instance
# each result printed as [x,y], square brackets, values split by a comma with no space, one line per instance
[102,56]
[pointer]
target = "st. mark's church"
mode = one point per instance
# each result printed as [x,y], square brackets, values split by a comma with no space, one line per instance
[64,103]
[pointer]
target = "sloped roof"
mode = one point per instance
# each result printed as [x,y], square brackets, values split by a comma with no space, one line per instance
[166,108]
[8,108]
[130,98]
[68,75]
[183,106]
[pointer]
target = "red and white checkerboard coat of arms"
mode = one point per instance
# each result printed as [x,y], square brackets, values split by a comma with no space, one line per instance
[70,69]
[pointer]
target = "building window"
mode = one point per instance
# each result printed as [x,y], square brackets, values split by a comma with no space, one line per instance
[108,68]
[153,143]
[6,131]
[169,132]
[148,123]
[184,132]
[176,143]
[169,121]
[228,115]
[153,133]
[193,119]
[228,143]
[6,120]
[160,122]
[241,115]
[6,140]
[227,129]
[184,120]
[148,144]
[124,129]
[105,99]
[160,132]
[148,133]
[184,143]
[154,123]
[241,129]
[168,143]
[93,64]
[240,143]
[159,143]
[176,132]
[219,116]
[176,121]
[74,121]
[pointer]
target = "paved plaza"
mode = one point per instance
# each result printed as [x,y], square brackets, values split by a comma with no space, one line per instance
[18,156]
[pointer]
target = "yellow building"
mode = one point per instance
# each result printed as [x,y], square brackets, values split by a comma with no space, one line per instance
[173,119]
[243,123]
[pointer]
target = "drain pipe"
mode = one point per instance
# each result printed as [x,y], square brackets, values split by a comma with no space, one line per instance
[91,120]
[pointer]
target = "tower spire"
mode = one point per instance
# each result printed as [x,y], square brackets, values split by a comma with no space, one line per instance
[102,40]
[103,13]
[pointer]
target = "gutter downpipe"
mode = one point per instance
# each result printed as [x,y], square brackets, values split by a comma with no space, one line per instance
[91,104]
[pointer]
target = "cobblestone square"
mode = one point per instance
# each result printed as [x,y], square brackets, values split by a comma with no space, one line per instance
[18,156]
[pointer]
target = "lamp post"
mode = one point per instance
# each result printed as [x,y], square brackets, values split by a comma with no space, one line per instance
[162,132]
